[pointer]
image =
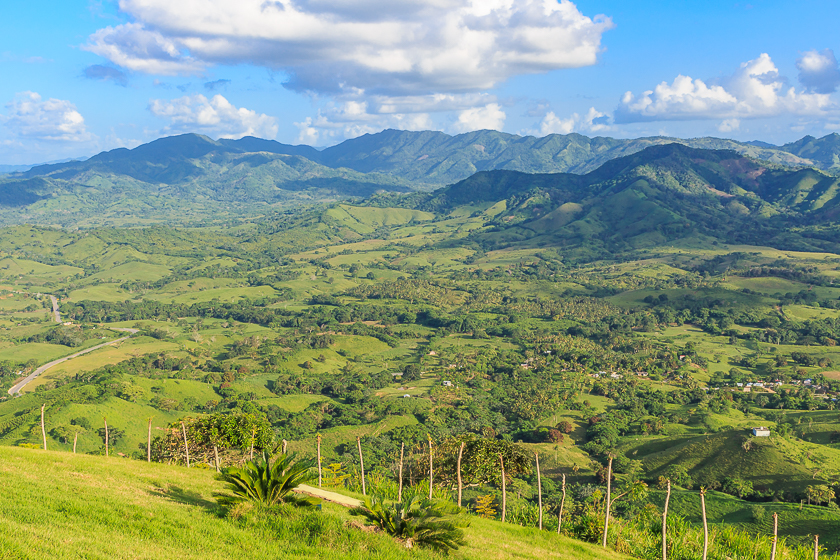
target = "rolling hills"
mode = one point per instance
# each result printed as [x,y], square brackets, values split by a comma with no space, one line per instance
[658,195]
[191,179]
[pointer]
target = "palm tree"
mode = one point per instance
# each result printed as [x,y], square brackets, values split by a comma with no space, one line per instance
[416,521]
[265,483]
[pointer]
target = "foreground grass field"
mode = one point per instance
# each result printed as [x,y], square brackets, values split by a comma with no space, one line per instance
[58,505]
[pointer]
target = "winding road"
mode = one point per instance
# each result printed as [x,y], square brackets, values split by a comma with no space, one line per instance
[54,300]
[26,380]
[55,309]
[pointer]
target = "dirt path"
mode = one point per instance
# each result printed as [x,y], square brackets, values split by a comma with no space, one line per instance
[26,380]
[328,496]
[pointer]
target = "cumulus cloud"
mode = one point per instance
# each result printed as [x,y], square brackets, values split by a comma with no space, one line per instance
[592,121]
[354,114]
[349,119]
[819,71]
[489,117]
[134,47]
[106,73]
[755,90]
[30,116]
[216,116]
[729,125]
[391,47]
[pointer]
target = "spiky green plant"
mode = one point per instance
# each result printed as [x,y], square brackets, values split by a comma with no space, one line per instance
[266,483]
[416,521]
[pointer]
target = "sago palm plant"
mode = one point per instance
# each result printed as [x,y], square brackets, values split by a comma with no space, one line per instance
[263,482]
[416,521]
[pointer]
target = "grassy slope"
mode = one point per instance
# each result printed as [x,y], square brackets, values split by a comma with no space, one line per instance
[776,462]
[796,523]
[57,505]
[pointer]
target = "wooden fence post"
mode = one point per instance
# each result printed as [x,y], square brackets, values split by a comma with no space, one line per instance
[107,452]
[149,443]
[431,469]
[216,456]
[399,492]
[460,482]
[665,523]
[816,547]
[504,487]
[285,445]
[705,524]
[562,503]
[320,478]
[75,439]
[608,504]
[775,535]
[361,464]
[539,489]
[186,445]
[43,429]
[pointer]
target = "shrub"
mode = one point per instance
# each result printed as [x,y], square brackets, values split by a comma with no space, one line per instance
[426,523]
[265,483]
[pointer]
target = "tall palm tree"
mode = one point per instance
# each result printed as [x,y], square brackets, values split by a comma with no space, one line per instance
[265,483]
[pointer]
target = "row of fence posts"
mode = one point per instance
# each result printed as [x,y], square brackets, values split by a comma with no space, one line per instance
[607,506]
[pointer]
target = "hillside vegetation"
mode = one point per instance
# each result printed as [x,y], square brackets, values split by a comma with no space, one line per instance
[191,179]
[651,312]
[59,505]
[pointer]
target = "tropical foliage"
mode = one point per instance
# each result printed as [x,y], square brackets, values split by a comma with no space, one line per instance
[416,521]
[266,483]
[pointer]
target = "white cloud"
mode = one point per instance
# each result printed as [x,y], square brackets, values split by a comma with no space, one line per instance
[489,117]
[134,47]
[29,116]
[755,90]
[216,116]
[356,114]
[349,119]
[729,125]
[392,47]
[552,124]
[592,121]
[819,71]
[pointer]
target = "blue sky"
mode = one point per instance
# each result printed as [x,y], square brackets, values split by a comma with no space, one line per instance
[82,76]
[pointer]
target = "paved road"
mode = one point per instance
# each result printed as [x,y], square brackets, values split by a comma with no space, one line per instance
[26,380]
[54,300]
[55,309]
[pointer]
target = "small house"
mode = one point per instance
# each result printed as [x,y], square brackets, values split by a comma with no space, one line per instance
[761,432]
[447,384]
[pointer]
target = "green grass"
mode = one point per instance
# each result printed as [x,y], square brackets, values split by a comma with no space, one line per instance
[772,463]
[40,351]
[98,358]
[796,523]
[79,506]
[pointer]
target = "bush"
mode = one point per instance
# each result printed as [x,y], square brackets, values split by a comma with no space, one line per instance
[426,523]
[265,483]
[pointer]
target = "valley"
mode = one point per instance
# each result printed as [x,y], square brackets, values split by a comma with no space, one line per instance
[647,315]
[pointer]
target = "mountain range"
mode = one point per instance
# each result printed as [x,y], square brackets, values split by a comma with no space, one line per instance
[656,196]
[191,178]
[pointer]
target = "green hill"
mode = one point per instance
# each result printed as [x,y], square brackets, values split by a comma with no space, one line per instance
[658,195]
[190,178]
[438,158]
[182,179]
[59,505]
[776,463]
